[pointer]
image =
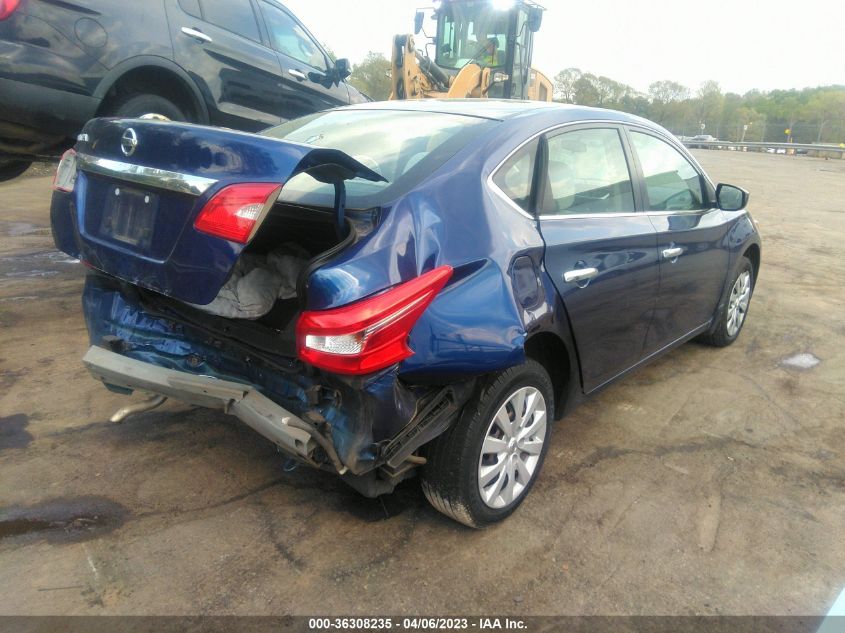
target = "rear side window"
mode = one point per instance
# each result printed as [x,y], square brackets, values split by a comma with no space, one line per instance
[672,183]
[515,175]
[233,15]
[289,38]
[587,173]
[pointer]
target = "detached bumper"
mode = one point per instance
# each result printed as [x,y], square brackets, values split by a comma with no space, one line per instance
[259,412]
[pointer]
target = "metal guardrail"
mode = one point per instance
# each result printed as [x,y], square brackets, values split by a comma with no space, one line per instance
[757,145]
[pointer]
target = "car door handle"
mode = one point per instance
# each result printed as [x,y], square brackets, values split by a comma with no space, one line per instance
[293,72]
[580,274]
[672,253]
[197,35]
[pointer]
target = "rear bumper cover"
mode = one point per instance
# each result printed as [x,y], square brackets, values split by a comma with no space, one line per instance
[360,417]
[243,401]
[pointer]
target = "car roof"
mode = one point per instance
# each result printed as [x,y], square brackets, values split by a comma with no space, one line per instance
[502,109]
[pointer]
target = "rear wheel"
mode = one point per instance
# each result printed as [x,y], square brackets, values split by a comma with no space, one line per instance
[12,168]
[143,104]
[483,467]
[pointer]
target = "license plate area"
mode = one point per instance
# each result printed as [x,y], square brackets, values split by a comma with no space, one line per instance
[129,216]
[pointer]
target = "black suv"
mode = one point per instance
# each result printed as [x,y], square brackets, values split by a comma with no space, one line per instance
[244,64]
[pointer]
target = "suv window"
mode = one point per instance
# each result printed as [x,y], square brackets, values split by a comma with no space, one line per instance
[672,183]
[587,173]
[289,38]
[515,175]
[191,7]
[233,15]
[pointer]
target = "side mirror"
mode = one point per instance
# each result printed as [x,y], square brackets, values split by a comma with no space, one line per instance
[730,198]
[341,69]
[535,19]
[418,21]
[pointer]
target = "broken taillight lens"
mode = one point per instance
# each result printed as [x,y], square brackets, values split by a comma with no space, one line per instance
[370,334]
[235,212]
[65,177]
[7,8]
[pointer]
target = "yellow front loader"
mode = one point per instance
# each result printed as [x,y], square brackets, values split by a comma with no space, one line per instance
[482,48]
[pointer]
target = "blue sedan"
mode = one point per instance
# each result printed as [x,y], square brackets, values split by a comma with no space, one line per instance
[400,289]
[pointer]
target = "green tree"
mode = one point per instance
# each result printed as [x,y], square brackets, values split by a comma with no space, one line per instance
[585,91]
[565,84]
[811,114]
[709,106]
[611,92]
[372,76]
[827,108]
[665,96]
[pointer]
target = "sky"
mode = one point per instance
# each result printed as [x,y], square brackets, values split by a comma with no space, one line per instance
[742,44]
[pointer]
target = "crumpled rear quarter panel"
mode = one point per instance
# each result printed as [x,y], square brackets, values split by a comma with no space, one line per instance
[362,412]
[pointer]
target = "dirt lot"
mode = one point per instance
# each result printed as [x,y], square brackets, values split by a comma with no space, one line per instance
[712,482]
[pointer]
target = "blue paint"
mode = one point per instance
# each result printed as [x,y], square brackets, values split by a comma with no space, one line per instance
[507,286]
[180,262]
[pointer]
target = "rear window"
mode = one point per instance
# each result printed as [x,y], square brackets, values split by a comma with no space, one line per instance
[402,146]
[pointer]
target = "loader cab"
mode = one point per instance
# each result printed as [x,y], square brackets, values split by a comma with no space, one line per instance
[498,34]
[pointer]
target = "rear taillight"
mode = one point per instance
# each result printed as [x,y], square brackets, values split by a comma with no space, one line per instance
[371,334]
[235,212]
[7,8]
[65,177]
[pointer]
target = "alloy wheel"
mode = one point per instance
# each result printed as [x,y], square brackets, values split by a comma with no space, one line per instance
[738,303]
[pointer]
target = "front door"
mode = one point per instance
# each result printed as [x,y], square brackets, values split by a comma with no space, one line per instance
[601,253]
[692,239]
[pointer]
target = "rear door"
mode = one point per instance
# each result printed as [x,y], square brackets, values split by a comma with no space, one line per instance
[692,238]
[306,83]
[219,43]
[601,252]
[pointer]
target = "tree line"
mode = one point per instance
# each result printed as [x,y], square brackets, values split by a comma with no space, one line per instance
[810,115]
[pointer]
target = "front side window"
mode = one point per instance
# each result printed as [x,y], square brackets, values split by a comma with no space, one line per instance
[516,174]
[232,15]
[472,32]
[587,173]
[672,183]
[289,38]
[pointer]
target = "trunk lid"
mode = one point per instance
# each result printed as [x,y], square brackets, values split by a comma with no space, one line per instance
[141,184]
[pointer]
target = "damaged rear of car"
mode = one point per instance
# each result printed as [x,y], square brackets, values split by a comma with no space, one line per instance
[279,279]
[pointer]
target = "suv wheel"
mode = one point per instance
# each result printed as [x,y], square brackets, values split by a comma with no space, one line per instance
[139,105]
[732,316]
[481,469]
[12,168]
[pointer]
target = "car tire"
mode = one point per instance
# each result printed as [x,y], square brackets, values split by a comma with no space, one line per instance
[734,312]
[488,441]
[139,105]
[12,168]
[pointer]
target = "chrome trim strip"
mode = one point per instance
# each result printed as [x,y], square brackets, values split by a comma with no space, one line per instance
[147,176]
[589,216]
[632,214]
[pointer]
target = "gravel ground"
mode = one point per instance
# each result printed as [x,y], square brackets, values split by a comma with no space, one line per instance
[711,482]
